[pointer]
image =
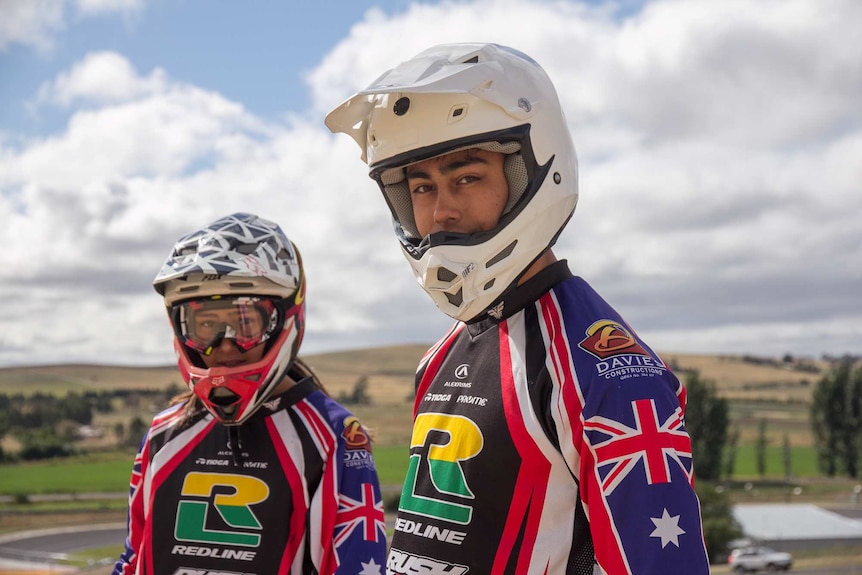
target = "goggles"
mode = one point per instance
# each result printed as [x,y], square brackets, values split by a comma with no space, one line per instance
[203,323]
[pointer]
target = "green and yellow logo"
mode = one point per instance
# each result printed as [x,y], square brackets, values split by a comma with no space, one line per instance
[232,496]
[457,440]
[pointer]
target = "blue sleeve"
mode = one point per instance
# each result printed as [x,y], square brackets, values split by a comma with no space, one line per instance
[360,526]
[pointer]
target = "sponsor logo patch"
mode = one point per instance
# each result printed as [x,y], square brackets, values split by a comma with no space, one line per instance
[357,443]
[401,563]
[190,571]
[607,338]
[622,357]
[229,499]
[354,434]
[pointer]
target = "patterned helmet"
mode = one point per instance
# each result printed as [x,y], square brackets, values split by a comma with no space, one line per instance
[246,262]
[459,96]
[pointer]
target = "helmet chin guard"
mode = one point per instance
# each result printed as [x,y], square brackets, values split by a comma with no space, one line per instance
[230,394]
[457,96]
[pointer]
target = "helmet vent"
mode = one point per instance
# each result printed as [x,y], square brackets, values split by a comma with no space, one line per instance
[490,284]
[245,249]
[401,106]
[503,254]
[223,397]
[473,60]
[455,299]
[445,275]
[241,285]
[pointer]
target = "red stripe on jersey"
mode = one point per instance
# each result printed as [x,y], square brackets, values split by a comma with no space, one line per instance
[317,427]
[439,355]
[328,483]
[608,552]
[559,355]
[177,458]
[433,350]
[137,514]
[164,472]
[529,494]
[294,479]
[329,559]
[682,395]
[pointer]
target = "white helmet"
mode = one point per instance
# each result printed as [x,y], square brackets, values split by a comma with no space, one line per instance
[458,96]
[248,264]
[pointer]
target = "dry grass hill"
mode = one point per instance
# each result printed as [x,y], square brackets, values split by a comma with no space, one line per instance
[390,372]
[775,389]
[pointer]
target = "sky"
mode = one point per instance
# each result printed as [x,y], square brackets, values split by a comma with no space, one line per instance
[719,148]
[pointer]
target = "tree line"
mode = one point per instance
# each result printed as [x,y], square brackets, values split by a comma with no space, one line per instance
[45,425]
[836,421]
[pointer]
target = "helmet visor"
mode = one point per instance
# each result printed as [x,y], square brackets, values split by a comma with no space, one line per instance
[203,323]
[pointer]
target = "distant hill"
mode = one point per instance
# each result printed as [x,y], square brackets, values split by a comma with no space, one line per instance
[753,378]
[773,389]
[389,372]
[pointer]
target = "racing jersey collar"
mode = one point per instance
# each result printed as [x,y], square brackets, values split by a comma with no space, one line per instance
[516,299]
[291,396]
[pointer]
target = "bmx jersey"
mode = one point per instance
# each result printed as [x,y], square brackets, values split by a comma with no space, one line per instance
[548,439]
[294,490]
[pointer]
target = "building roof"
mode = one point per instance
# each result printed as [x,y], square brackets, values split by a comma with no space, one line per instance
[775,522]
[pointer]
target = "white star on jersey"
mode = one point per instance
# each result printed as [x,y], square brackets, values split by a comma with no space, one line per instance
[667,528]
[370,568]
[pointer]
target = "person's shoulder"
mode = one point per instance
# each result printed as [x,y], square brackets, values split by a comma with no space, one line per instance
[333,409]
[172,414]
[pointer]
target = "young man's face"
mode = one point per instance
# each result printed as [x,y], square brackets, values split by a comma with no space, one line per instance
[462,192]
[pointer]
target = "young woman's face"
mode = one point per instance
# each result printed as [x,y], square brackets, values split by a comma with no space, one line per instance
[221,329]
[462,192]
[226,353]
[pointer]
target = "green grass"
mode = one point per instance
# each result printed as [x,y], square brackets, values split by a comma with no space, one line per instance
[803,462]
[74,475]
[391,461]
[110,473]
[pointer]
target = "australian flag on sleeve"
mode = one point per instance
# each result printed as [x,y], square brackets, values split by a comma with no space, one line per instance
[643,465]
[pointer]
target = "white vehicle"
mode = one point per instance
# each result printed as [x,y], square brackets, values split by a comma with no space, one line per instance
[758,558]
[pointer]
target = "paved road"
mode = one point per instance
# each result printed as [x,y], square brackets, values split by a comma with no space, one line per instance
[39,551]
[43,549]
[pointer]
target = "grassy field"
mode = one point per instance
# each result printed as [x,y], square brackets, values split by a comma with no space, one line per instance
[75,475]
[774,392]
[110,473]
[803,462]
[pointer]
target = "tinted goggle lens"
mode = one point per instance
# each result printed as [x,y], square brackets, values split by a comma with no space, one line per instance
[246,321]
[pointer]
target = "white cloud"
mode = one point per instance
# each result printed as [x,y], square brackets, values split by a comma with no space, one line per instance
[716,143]
[101,77]
[719,150]
[107,6]
[30,23]
[36,22]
